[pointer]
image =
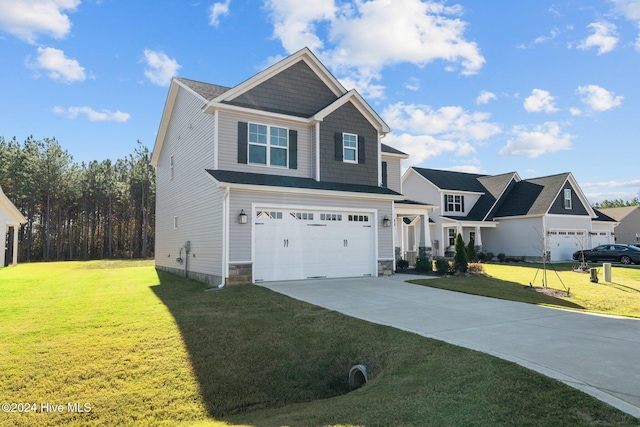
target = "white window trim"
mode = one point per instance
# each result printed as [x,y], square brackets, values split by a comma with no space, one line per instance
[567,198]
[459,203]
[268,146]
[354,149]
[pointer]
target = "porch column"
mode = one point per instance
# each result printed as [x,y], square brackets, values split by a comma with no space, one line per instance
[15,245]
[424,246]
[478,241]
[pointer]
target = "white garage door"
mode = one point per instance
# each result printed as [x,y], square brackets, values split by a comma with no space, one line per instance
[599,238]
[292,244]
[563,243]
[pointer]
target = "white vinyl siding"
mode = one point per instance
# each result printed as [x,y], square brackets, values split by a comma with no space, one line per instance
[228,150]
[191,197]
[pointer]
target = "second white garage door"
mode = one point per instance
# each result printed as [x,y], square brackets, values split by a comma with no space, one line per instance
[563,243]
[293,244]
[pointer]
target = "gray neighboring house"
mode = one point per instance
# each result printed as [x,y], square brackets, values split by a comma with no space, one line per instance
[10,220]
[506,214]
[281,177]
[628,228]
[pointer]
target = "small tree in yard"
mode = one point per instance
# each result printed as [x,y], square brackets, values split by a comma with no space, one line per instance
[471,251]
[460,260]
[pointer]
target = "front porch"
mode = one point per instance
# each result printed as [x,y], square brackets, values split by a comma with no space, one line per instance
[412,235]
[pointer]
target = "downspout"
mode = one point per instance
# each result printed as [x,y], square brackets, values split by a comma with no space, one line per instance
[317,129]
[225,242]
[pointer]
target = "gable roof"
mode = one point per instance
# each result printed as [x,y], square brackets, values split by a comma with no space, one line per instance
[11,209]
[390,150]
[207,91]
[535,196]
[600,216]
[619,213]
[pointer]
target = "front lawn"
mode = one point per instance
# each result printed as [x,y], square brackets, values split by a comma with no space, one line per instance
[508,281]
[136,347]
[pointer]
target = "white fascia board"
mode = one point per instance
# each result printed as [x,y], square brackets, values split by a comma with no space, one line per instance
[11,208]
[164,121]
[463,192]
[481,224]
[394,155]
[212,107]
[305,55]
[519,217]
[581,195]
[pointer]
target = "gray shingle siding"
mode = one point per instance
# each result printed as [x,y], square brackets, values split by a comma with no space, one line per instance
[296,91]
[348,119]
[577,208]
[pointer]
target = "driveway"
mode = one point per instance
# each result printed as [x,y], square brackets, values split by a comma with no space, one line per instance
[599,355]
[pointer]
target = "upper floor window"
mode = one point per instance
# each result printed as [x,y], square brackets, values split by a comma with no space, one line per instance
[349,148]
[453,203]
[567,198]
[268,145]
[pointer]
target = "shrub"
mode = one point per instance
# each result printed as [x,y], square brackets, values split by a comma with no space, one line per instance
[423,265]
[471,251]
[481,256]
[501,257]
[490,256]
[441,266]
[460,260]
[475,268]
[401,264]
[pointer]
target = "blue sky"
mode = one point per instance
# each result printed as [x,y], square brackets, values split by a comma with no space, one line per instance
[538,87]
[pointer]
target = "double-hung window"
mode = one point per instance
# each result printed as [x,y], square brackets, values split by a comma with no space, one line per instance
[567,198]
[453,203]
[268,145]
[350,148]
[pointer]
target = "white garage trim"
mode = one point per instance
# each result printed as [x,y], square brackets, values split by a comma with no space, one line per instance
[562,243]
[302,263]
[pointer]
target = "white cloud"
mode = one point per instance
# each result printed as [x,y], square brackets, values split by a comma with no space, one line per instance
[552,35]
[420,147]
[58,65]
[485,97]
[367,36]
[598,98]
[447,122]
[546,138]
[575,111]
[612,184]
[603,37]
[216,11]
[26,19]
[466,169]
[540,101]
[413,84]
[92,115]
[629,8]
[160,68]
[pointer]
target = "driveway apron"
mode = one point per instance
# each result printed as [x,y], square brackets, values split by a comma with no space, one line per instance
[599,355]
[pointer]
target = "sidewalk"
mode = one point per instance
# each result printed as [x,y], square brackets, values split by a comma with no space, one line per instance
[599,355]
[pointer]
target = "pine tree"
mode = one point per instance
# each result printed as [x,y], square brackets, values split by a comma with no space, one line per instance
[460,260]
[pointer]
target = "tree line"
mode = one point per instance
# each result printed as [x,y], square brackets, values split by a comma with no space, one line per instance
[617,203]
[80,211]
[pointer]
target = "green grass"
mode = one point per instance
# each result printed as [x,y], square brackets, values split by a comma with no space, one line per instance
[620,297]
[147,348]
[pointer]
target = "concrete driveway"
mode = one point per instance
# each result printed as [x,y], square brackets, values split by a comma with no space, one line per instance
[599,355]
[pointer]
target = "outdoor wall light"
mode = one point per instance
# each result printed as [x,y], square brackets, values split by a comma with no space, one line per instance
[386,222]
[242,218]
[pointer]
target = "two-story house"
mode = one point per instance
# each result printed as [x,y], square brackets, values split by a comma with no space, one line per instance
[281,177]
[506,214]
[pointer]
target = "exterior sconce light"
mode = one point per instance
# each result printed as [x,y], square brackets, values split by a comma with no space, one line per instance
[386,222]
[242,218]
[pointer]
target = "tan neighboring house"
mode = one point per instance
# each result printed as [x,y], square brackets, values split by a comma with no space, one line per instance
[10,220]
[628,229]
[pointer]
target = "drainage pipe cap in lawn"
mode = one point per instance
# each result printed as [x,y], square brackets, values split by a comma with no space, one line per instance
[357,376]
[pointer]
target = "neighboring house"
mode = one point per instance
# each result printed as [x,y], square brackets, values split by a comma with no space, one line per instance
[10,220]
[506,214]
[628,228]
[281,177]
